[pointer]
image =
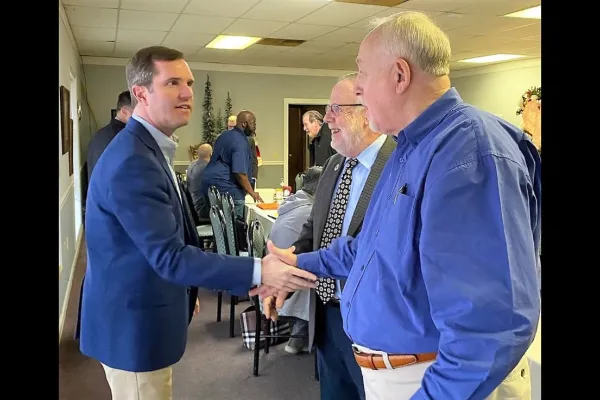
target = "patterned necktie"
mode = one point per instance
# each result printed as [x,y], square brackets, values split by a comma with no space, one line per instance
[333,227]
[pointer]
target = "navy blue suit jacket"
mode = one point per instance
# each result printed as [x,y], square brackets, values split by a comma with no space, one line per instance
[135,298]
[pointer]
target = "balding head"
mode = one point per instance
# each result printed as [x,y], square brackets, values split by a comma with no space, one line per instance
[246,121]
[204,151]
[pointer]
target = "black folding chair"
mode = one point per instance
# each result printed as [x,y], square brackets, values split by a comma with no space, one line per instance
[257,246]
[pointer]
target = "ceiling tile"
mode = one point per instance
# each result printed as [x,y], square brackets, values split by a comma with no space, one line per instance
[321,45]
[92,3]
[94,34]
[92,17]
[100,49]
[340,14]
[533,30]
[169,6]
[146,20]
[350,49]
[208,55]
[303,31]
[250,27]
[201,24]
[306,51]
[345,35]
[148,38]
[219,8]
[496,7]
[263,49]
[188,39]
[436,5]
[284,10]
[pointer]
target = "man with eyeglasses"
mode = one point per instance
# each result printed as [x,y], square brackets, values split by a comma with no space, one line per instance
[341,200]
[320,138]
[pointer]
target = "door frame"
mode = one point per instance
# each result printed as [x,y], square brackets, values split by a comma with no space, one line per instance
[287,102]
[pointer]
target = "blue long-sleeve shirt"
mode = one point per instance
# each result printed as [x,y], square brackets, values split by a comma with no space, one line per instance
[446,259]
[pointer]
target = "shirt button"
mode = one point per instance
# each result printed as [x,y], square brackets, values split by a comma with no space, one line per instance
[377,233]
[348,304]
[362,267]
[401,159]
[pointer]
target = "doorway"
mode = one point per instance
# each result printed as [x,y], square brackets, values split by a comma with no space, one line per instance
[296,154]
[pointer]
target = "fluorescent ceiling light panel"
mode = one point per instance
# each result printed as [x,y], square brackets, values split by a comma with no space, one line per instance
[531,13]
[232,42]
[492,58]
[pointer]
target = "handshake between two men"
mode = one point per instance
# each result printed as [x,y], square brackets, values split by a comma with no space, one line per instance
[280,276]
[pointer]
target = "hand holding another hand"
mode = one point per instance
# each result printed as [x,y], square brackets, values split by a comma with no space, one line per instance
[280,274]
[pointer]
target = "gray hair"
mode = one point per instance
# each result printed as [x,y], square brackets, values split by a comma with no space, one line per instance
[311,179]
[415,37]
[313,116]
[350,76]
[140,70]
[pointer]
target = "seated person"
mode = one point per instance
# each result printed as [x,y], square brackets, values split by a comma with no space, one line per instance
[292,215]
[194,175]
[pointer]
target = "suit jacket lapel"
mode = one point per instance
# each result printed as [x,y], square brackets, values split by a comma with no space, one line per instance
[326,193]
[363,202]
[149,141]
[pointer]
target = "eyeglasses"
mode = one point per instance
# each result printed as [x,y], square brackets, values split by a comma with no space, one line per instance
[336,109]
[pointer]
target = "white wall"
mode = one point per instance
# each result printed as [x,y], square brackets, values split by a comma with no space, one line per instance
[498,88]
[69,187]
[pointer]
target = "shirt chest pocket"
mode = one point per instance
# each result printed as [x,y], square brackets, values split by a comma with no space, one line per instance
[397,227]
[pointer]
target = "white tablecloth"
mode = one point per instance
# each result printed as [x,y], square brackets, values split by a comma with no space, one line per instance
[266,217]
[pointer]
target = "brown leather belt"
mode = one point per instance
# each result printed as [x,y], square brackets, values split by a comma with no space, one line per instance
[376,361]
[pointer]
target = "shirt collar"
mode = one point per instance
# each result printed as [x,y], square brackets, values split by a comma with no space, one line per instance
[367,157]
[432,116]
[165,143]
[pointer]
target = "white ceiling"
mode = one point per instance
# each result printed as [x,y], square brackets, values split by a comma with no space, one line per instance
[332,30]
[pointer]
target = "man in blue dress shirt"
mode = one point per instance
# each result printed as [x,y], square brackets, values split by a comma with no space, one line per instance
[442,296]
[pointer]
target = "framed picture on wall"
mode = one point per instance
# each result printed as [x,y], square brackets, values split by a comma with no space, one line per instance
[70,147]
[65,116]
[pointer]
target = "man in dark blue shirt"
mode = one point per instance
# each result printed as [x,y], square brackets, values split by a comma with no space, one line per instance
[230,168]
[442,291]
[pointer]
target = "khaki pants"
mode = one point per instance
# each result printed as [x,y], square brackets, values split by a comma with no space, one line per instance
[402,383]
[153,385]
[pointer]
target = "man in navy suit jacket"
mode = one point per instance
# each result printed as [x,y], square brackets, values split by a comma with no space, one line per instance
[141,241]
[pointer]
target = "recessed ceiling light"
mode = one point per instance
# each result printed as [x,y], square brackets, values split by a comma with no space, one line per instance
[492,58]
[532,13]
[232,42]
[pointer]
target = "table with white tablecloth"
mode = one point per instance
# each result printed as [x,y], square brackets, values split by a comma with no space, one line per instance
[266,217]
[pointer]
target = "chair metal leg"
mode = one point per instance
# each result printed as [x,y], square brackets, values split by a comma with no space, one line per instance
[232,316]
[257,342]
[219,304]
[267,329]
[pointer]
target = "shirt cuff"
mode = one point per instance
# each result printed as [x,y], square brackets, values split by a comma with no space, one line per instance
[257,274]
[309,262]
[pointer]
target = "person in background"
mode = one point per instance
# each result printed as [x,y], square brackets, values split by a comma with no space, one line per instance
[107,133]
[292,215]
[229,168]
[320,138]
[442,297]
[341,200]
[194,174]
[231,121]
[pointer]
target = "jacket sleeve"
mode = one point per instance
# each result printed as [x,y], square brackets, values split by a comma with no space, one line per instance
[137,194]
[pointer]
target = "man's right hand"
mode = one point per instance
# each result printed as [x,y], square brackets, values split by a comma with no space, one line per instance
[278,275]
[257,198]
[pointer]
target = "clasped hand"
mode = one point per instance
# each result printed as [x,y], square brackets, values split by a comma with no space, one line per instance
[280,274]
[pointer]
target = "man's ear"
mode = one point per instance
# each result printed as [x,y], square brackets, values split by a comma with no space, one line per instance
[140,93]
[403,74]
